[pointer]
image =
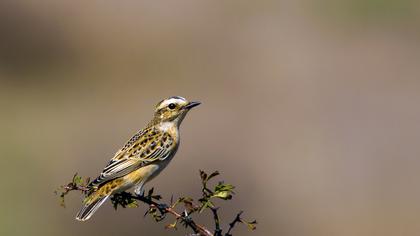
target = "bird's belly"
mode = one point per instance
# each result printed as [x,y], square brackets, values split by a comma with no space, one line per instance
[162,166]
[143,174]
[139,175]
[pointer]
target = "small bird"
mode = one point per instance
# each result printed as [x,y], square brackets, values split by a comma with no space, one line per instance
[142,158]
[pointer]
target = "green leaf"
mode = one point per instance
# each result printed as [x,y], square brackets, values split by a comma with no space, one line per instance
[155,214]
[172,226]
[223,191]
[214,174]
[77,180]
[62,200]
[225,195]
[251,225]
[223,187]
[132,204]
[206,204]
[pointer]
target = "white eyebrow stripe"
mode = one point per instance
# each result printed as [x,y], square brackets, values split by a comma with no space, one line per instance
[172,100]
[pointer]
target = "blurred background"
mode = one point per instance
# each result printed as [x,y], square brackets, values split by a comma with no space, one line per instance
[311,108]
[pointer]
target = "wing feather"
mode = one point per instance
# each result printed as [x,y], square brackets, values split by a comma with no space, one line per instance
[143,148]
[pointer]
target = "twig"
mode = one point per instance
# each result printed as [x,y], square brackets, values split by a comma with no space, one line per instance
[218,230]
[71,187]
[125,199]
[232,224]
[198,229]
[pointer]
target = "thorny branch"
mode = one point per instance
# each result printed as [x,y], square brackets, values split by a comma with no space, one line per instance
[158,210]
[217,229]
[232,224]
[163,209]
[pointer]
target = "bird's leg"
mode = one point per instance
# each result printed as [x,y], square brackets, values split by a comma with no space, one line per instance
[139,190]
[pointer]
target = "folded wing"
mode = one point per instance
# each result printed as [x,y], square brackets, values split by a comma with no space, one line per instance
[143,148]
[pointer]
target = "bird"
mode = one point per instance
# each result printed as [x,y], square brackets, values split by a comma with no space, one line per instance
[142,158]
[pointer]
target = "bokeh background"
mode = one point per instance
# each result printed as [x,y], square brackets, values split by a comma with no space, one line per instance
[311,108]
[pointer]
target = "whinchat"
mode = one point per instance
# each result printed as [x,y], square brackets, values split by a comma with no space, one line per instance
[142,158]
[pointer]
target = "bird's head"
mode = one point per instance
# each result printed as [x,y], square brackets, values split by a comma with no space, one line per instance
[173,109]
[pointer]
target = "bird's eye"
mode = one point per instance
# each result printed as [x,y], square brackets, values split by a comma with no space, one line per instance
[172,106]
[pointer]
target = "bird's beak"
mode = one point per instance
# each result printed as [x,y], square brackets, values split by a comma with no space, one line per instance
[191,105]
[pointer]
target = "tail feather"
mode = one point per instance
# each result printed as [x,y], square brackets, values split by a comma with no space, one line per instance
[88,209]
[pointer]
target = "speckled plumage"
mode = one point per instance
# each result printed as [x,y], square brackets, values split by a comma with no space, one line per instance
[142,157]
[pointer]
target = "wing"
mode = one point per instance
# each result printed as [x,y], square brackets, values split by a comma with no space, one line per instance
[143,148]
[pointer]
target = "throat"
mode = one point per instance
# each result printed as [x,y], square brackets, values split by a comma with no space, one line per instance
[168,126]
